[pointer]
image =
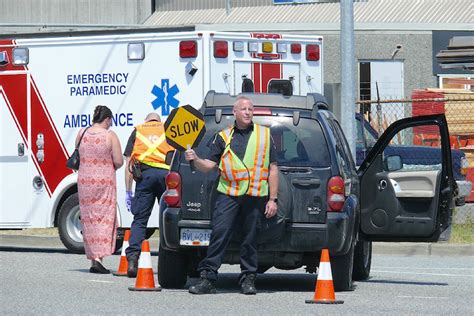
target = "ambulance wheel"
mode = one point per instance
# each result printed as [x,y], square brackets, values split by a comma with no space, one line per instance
[69,224]
[172,269]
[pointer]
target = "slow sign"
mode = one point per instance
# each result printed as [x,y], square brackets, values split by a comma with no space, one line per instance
[184,127]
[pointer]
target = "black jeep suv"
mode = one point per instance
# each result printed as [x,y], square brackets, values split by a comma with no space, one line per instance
[323,201]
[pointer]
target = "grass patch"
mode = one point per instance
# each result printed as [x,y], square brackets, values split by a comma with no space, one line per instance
[462,234]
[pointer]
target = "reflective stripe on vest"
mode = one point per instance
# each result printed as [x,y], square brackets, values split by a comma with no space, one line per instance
[249,176]
[150,145]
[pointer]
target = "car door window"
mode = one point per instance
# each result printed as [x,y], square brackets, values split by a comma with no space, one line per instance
[343,153]
[418,147]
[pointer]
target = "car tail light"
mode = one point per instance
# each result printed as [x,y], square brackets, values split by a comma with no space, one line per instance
[188,49]
[221,49]
[172,195]
[464,165]
[336,194]
[312,52]
[295,48]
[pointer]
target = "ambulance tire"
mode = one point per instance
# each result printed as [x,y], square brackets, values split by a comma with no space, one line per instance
[69,224]
[172,269]
[341,268]
[362,261]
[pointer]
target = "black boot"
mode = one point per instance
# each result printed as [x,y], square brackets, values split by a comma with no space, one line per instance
[132,265]
[204,286]
[248,285]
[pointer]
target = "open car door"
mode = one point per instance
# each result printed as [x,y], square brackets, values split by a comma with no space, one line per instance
[403,200]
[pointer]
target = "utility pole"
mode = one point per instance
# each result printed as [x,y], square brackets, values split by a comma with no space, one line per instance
[348,73]
[228,6]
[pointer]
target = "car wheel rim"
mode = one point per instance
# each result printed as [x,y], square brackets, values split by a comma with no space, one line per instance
[73,224]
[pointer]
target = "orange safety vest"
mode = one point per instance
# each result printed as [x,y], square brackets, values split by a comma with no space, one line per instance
[250,175]
[150,145]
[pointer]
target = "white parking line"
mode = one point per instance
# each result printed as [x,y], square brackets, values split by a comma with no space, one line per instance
[425,273]
[100,281]
[423,268]
[422,297]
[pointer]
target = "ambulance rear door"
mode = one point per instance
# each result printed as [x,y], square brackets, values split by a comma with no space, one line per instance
[260,62]
[16,184]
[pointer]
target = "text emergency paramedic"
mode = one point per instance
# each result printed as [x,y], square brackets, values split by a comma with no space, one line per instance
[97,84]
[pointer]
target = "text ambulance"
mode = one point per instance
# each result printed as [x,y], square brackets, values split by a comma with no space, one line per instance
[49,87]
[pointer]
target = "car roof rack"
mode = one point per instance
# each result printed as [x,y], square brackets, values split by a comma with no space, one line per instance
[309,102]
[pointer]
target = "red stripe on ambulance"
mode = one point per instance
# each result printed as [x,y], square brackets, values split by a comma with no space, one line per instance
[53,169]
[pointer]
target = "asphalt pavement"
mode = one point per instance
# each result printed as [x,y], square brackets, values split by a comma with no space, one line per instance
[401,248]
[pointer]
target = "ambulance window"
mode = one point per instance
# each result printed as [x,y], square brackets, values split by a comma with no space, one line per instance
[281,86]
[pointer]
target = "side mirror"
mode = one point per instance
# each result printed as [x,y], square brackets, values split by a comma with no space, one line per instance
[392,163]
[169,157]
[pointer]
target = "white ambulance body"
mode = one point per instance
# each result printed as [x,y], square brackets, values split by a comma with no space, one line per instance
[49,87]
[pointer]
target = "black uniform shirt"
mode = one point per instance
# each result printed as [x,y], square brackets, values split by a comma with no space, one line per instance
[130,143]
[238,144]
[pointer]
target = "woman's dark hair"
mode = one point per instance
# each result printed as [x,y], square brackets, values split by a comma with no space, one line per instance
[101,112]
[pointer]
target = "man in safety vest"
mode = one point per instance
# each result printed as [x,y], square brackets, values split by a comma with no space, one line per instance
[145,152]
[248,187]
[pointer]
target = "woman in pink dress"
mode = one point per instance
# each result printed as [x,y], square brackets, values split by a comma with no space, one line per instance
[101,156]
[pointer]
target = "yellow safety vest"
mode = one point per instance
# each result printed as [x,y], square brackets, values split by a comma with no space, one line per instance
[249,176]
[150,145]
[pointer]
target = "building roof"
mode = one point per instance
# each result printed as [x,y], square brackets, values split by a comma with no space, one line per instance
[378,14]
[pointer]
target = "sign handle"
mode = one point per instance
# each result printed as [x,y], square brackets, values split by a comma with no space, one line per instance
[191,162]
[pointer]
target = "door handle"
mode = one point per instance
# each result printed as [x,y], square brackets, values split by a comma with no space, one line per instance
[306,182]
[21,149]
[382,185]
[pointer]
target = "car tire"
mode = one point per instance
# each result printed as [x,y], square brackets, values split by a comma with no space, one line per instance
[172,269]
[69,224]
[362,261]
[341,267]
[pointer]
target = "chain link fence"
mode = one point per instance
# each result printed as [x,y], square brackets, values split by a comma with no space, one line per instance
[419,147]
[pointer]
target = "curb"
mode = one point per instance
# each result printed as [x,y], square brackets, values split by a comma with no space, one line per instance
[422,249]
[378,248]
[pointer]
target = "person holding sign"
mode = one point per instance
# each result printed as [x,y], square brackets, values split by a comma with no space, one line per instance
[145,152]
[248,185]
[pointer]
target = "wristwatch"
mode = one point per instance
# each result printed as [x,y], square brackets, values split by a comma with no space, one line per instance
[274,200]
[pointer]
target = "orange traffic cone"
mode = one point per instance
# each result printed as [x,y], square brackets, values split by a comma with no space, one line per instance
[324,291]
[123,265]
[145,279]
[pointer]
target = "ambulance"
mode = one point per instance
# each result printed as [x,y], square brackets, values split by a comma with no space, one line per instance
[50,85]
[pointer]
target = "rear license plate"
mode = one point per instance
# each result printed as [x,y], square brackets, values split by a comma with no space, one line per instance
[194,237]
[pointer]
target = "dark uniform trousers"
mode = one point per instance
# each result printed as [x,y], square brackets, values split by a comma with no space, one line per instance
[148,190]
[229,212]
